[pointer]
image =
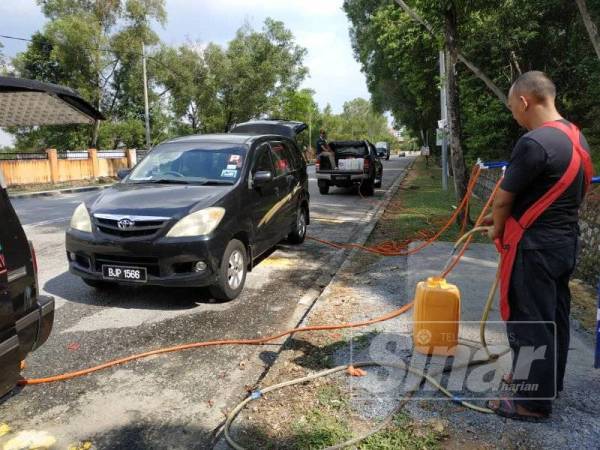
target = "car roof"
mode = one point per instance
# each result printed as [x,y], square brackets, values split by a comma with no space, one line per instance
[225,138]
[348,143]
[280,127]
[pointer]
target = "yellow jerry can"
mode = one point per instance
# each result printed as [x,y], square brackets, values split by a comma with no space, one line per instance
[436,315]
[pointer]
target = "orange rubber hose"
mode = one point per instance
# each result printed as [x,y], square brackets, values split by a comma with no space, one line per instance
[386,251]
[264,340]
[177,348]
[477,224]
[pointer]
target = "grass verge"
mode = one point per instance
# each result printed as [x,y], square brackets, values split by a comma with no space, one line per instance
[421,207]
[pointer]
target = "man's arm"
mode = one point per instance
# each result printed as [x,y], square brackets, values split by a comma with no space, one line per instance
[527,161]
[501,211]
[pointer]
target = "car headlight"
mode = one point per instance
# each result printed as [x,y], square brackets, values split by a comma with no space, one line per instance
[198,223]
[81,219]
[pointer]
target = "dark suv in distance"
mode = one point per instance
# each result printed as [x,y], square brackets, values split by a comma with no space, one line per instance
[356,163]
[196,211]
[25,316]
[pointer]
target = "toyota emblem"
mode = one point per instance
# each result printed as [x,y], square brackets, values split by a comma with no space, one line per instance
[125,224]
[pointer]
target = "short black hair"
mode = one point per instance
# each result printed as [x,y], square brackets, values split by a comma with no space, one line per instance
[536,83]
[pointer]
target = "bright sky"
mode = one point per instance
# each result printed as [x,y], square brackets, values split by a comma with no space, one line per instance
[318,25]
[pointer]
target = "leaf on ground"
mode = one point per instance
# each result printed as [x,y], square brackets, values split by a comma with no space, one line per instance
[355,371]
[4,429]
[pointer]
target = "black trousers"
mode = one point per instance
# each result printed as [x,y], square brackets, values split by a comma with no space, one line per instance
[539,294]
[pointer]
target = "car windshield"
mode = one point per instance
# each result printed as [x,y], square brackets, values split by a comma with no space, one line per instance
[191,163]
[354,149]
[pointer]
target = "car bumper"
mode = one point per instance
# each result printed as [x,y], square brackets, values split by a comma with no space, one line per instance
[342,176]
[168,262]
[34,328]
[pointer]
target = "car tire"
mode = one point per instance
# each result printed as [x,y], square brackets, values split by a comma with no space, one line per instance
[232,272]
[99,284]
[298,233]
[387,158]
[367,189]
[324,189]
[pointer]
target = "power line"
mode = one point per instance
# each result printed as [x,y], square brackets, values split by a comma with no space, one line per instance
[105,50]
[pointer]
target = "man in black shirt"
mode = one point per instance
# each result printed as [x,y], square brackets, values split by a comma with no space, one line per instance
[324,148]
[536,219]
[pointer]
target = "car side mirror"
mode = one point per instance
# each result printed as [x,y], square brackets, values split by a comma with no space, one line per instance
[262,177]
[122,173]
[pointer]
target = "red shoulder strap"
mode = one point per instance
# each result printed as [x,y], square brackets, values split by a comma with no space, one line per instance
[577,158]
[573,133]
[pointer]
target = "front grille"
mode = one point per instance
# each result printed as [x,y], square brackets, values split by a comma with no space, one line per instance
[151,264]
[140,226]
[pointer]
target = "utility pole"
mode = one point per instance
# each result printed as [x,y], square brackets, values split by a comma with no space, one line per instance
[310,129]
[146,110]
[444,121]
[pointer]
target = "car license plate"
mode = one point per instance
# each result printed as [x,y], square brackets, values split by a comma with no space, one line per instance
[121,273]
[340,178]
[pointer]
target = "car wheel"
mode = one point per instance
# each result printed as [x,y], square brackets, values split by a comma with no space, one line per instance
[232,272]
[324,189]
[99,284]
[367,188]
[298,232]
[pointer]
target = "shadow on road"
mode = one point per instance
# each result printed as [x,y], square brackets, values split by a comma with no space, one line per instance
[72,289]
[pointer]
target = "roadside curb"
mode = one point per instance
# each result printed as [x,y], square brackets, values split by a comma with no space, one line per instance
[56,192]
[322,285]
[325,281]
[362,237]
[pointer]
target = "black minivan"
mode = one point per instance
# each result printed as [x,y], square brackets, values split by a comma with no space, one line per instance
[25,316]
[196,211]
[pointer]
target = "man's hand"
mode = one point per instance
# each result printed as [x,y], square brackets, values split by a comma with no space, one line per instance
[493,233]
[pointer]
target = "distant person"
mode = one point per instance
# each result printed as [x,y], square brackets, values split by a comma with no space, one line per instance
[323,148]
[535,225]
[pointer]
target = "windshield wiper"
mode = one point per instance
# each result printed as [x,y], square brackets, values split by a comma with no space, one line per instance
[168,181]
[217,182]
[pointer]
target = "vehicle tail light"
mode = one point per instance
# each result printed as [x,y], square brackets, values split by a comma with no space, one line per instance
[33,258]
[317,165]
[367,164]
[35,266]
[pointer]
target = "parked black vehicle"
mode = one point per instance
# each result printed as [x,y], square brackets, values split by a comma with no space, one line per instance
[196,211]
[356,163]
[25,316]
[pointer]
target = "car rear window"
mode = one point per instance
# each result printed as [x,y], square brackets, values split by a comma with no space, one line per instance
[191,162]
[353,149]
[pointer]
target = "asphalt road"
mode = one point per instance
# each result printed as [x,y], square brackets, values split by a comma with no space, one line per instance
[175,400]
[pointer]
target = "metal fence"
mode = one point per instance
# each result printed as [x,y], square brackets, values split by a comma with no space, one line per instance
[73,154]
[111,154]
[486,183]
[10,156]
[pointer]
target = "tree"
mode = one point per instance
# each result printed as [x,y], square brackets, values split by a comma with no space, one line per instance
[94,47]
[589,25]
[213,88]
[399,61]
[398,53]
[256,69]
[357,121]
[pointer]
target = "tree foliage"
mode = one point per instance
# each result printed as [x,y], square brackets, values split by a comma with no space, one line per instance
[503,38]
[95,47]
[215,87]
